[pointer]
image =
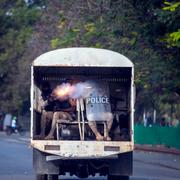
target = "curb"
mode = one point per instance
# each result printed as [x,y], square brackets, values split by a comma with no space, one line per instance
[158,149]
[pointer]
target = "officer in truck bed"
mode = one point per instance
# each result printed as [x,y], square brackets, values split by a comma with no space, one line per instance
[52,109]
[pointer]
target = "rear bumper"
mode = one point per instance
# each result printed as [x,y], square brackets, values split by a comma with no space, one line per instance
[82,149]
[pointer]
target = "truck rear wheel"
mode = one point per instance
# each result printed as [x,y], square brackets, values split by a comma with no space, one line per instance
[46,177]
[41,177]
[112,177]
[9,131]
[52,177]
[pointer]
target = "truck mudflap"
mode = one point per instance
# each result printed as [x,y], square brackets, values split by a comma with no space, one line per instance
[122,166]
[41,166]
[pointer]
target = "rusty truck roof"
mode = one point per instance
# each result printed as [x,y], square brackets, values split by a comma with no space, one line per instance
[80,57]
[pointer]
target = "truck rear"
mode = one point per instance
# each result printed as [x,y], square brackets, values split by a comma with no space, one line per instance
[102,86]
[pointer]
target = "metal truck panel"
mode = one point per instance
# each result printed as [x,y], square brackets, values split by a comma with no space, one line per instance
[82,149]
[82,57]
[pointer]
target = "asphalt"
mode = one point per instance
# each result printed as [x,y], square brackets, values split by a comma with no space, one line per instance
[143,153]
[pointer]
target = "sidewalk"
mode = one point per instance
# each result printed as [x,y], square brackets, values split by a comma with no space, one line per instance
[157,148]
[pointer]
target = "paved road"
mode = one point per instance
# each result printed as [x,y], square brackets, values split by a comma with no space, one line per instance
[16,162]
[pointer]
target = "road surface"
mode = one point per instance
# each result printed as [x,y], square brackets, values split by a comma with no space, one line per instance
[16,162]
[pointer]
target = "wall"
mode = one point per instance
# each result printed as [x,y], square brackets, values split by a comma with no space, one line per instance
[156,135]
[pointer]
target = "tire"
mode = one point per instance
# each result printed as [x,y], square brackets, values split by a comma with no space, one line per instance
[112,177]
[52,177]
[41,177]
[47,177]
[21,132]
[8,131]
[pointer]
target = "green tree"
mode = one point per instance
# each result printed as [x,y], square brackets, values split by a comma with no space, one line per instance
[171,17]
[162,29]
[16,19]
[138,29]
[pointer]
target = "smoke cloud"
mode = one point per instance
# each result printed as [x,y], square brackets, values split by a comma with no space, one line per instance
[75,91]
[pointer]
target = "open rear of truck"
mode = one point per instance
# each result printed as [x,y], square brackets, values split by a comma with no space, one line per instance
[74,149]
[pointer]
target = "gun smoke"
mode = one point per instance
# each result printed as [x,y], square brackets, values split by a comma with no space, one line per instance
[75,91]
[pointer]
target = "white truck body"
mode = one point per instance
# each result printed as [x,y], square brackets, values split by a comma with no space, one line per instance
[85,63]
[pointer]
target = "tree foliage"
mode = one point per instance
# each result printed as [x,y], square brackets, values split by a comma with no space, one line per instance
[146,31]
[16,20]
[173,38]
